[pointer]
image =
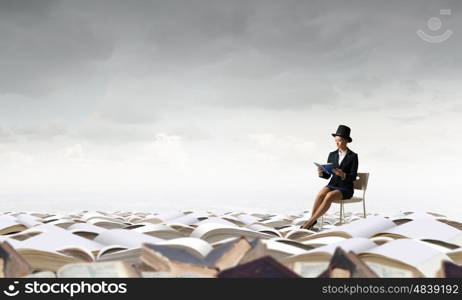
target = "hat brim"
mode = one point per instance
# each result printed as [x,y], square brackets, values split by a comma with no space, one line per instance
[349,139]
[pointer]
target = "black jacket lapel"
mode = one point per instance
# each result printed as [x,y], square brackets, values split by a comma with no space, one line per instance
[347,155]
[336,159]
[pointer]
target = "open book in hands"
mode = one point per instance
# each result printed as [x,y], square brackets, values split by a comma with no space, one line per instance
[327,168]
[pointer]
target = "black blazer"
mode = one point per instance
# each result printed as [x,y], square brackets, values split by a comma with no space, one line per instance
[349,165]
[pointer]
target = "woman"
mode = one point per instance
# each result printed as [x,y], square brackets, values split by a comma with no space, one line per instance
[341,184]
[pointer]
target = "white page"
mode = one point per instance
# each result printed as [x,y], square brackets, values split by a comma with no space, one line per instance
[356,245]
[189,219]
[247,219]
[111,269]
[153,227]
[415,253]
[28,220]
[217,220]
[164,217]
[124,237]
[413,216]
[259,227]
[85,227]
[7,221]
[53,238]
[200,246]
[428,229]
[362,228]
[282,247]
[210,229]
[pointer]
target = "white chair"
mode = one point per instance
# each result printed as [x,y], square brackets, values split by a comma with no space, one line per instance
[359,184]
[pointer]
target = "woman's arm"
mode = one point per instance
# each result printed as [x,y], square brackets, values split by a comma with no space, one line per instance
[324,174]
[351,176]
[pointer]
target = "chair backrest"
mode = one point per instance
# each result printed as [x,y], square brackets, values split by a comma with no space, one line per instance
[361,181]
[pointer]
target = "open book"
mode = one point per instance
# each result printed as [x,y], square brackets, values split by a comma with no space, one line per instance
[213,232]
[11,263]
[313,262]
[194,246]
[425,229]
[359,228]
[49,247]
[326,168]
[347,265]
[165,258]
[9,224]
[113,269]
[456,255]
[417,260]
[397,258]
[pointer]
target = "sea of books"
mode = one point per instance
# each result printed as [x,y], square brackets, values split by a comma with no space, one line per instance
[190,244]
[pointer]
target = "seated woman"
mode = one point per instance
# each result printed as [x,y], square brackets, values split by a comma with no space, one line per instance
[341,184]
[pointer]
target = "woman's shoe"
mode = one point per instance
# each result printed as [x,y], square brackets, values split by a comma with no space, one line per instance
[312,225]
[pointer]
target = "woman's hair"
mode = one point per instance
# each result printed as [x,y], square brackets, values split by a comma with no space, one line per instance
[343,139]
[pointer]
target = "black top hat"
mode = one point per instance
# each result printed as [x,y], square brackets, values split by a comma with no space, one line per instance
[343,131]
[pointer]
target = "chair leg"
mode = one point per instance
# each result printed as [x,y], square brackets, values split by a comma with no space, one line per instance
[341,213]
[364,208]
[322,221]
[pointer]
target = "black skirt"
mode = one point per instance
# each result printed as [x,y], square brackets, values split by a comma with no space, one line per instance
[346,194]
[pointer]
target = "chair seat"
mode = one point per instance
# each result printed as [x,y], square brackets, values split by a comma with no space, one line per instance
[351,200]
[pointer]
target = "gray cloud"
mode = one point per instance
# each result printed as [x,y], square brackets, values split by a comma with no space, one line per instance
[41,131]
[5,134]
[45,48]
[264,54]
[28,132]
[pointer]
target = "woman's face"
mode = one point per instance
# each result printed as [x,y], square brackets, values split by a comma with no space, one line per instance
[340,142]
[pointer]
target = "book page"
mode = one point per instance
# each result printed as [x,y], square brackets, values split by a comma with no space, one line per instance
[7,221]
[52,238]
[213,232]
[310,269]
[185,220]
[216,220]
[456,255]
[247,219]
[353,244]
[426,229]
[96,270]
[151,274]
[360,228]
[41,274]
[159,230]
[85,227]
[274,245]
[125,237]
[168,216]
[385,271]
[326,240]
[415,253]
[194,245]
[28,220]
[412,216]
[264,228]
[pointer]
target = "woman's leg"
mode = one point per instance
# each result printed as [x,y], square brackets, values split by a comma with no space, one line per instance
[324,207]
[319,198]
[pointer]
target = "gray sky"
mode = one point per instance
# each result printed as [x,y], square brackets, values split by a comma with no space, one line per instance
[150,104]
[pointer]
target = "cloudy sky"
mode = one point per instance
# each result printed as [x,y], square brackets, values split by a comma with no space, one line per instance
[151,105]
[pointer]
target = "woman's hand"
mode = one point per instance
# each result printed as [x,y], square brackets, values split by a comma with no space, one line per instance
[319,171]
[339,172]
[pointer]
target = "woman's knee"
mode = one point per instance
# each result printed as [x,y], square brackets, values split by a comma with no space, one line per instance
[333,195]
[323,192]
